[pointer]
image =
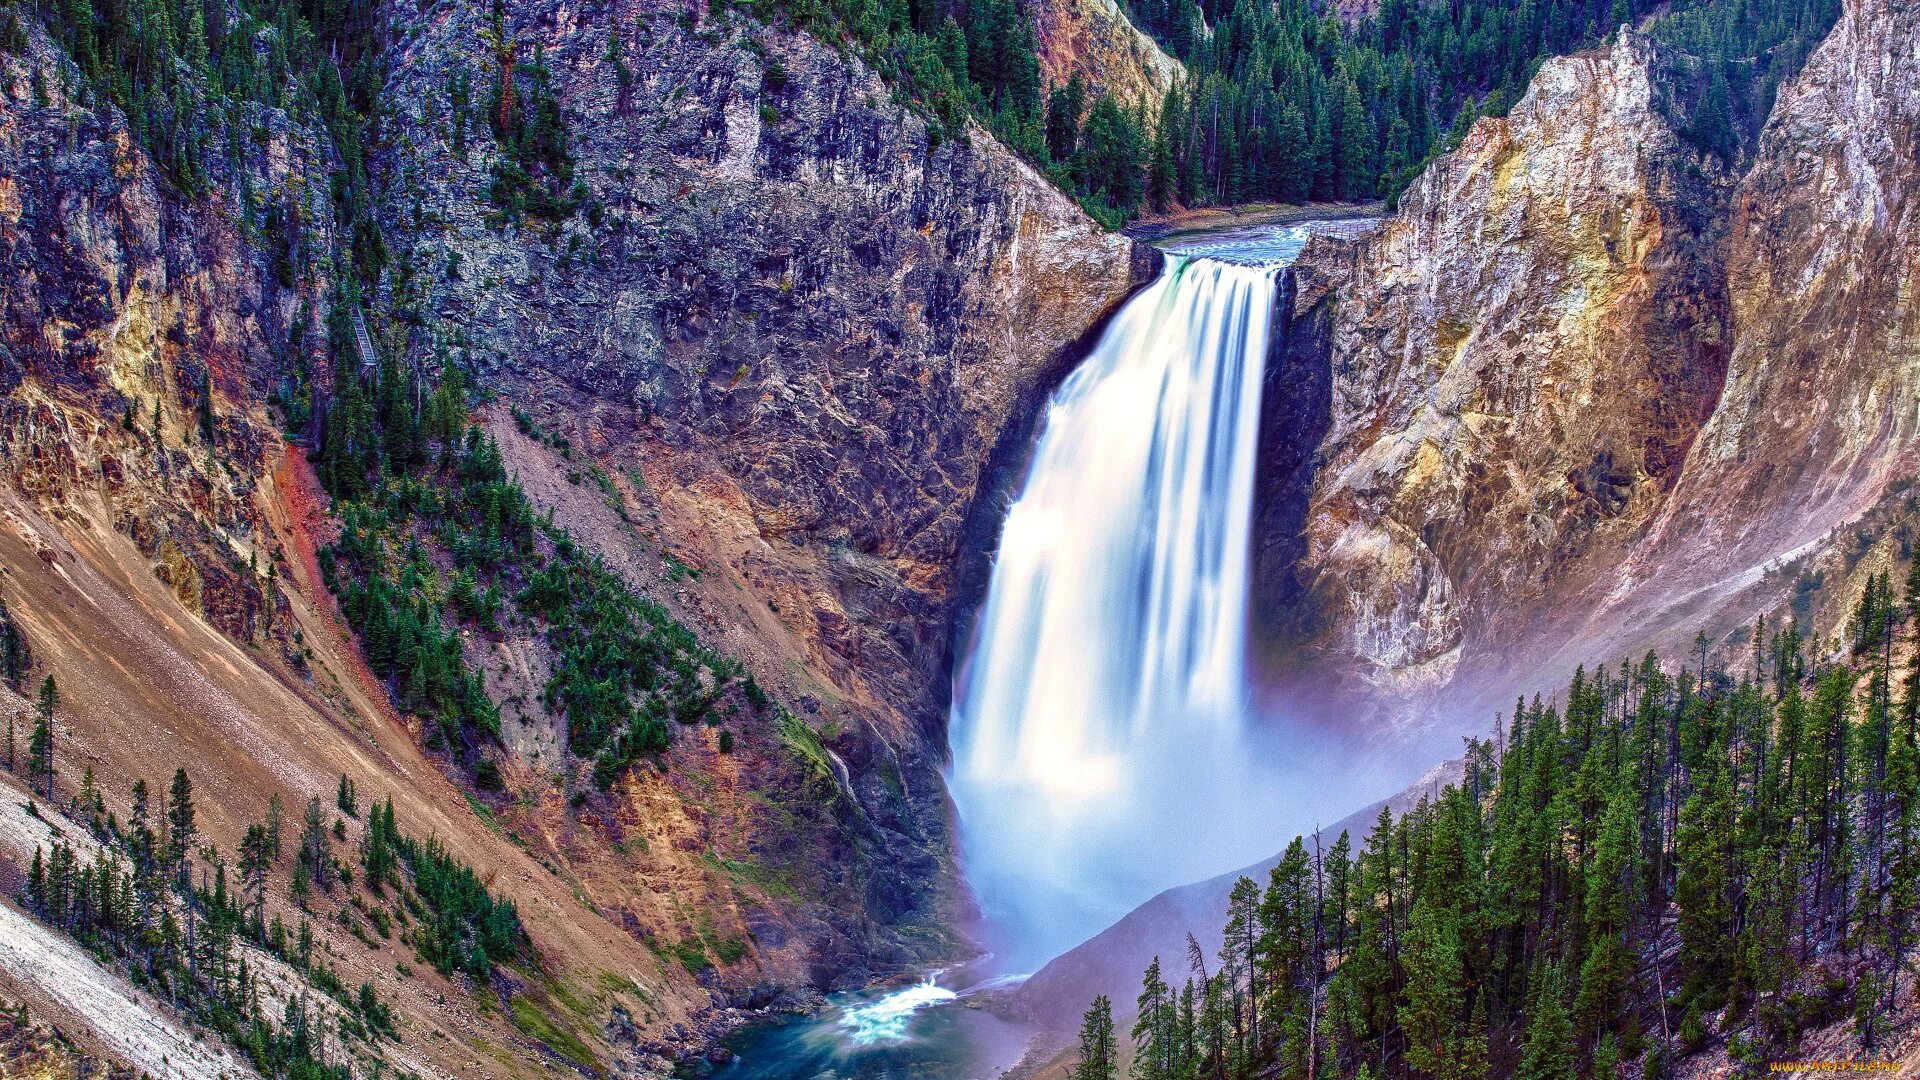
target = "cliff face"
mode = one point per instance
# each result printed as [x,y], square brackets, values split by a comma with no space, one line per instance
[1821,402]
[792,293]
[156,542]
[1587,388]
[1094,39]
[1519,358]
[789,325]
[127,314]
[772,364]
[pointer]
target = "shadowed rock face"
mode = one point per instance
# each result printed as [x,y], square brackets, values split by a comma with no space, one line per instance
[805,320]
[1296,409]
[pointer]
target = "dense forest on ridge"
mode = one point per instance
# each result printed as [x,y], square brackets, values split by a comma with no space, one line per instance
[1283,101]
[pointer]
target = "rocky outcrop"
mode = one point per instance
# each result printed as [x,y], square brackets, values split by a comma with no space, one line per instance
[1519,359]
[136,324]
[1821,405]
[1095,40]
[1589,393]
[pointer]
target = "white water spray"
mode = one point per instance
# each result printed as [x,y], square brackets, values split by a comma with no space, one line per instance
[1098,717]
[886,1020]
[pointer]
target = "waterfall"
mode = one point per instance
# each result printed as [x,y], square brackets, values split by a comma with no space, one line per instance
[1098,713]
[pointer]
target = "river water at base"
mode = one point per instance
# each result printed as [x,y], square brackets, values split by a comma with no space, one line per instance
[922,1031]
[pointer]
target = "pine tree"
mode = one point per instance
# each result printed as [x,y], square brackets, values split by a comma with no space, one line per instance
[16,656]
[181,829]
[40,744]
[1703,892]
[255,860]
[1156,1029]
[1098,1055]
[1610,879]
[1434,1012]
[1238,968]
[1065,106]
[1548,1051]
[316,848]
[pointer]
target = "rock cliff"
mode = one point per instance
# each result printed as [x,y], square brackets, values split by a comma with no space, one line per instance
[139,331]
[1519,359]
[793,321]
[771,361]
[1095,40]
[1821,403]
[1588,391]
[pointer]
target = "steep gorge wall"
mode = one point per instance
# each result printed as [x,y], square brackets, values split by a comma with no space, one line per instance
[1587,387]
[1518,360]
[1822,398]
[125,310]
[786,332]
[803,317]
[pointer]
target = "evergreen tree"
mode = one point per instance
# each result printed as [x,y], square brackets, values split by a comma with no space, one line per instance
[316,847]
[1548,1051]
[181,828]
[1156,1033]
[1098,1056]
[16,656]
[1066,104]
[40,744]
[1434,1013]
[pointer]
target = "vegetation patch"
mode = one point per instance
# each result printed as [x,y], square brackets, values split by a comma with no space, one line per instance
[556,1035]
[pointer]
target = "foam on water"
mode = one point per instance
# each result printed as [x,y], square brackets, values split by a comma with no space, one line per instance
[887,1020]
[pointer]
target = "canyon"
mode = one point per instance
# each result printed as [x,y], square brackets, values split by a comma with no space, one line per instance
[1587,389]
[1569,382]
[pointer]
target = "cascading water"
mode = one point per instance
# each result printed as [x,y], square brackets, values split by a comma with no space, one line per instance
[1098,716]
[1100,745]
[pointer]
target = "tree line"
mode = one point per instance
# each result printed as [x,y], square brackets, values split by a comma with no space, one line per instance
[1286,101]
[1658,862]
[1283,101]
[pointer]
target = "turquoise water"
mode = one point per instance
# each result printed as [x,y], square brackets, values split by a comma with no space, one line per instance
[919,1032]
